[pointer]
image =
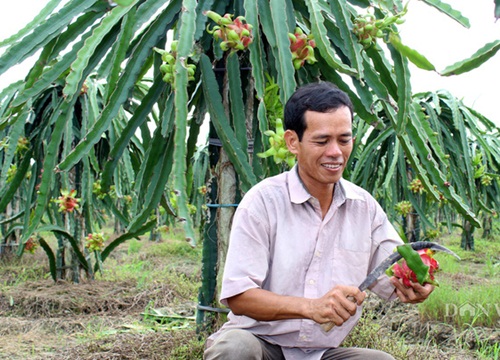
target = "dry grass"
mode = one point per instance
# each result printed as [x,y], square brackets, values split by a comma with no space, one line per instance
[104,318]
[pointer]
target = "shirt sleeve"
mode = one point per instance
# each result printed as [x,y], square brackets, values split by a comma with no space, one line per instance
[386,239]
[247,260]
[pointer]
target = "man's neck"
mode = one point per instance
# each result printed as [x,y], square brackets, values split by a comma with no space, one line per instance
[324,194]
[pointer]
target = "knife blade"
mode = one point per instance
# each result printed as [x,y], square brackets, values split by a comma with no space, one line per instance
[384,265]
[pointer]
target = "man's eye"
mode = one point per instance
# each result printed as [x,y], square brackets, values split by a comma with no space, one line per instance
[321,142]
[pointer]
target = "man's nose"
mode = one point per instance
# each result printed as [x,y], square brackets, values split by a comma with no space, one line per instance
[333,149]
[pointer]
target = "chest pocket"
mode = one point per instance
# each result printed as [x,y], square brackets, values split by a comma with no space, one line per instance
[351,252]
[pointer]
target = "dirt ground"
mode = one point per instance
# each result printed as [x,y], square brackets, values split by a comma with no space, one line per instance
[99,319]
[105,320]
[44,320]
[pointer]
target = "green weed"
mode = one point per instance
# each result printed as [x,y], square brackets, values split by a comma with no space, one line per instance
[487,351]
[137,270]
[182,285]
[174,248]
[96,329]
[468,294]
[168,270]
[492,266]
[193,349]
[15,271]
[475,304]
[483,248]
[483,348]
[450,265]
[368,334]
[134,246]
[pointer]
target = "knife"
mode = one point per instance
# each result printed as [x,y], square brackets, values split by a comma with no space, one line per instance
[384,265]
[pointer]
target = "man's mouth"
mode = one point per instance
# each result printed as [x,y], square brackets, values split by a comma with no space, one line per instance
[332,166]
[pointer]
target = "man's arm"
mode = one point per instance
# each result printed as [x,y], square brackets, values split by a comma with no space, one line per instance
[263,305]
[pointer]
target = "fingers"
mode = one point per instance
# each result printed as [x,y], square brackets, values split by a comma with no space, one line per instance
[422,291]
[359,297]
[343,303]
[349,297]
[413,294]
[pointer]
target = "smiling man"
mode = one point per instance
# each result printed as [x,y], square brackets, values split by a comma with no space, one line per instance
[300,244]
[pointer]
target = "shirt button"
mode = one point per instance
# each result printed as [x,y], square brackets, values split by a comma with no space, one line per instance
[317,254]
[312,282]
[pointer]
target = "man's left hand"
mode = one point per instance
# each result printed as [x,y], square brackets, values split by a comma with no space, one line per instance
[413,294]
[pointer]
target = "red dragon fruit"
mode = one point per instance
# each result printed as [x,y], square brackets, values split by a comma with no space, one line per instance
[426,271]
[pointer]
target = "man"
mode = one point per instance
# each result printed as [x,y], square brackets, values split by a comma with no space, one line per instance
[300,244]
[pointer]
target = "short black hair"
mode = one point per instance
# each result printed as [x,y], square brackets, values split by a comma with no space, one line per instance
[320,97]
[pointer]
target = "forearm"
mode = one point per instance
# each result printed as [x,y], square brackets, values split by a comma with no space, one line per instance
[264,305]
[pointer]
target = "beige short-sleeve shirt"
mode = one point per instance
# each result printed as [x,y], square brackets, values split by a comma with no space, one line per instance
[279,242]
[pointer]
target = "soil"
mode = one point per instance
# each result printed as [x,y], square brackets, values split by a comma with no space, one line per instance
[44,320]
[105,320]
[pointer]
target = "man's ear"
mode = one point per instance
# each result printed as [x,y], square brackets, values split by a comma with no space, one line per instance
[292,141]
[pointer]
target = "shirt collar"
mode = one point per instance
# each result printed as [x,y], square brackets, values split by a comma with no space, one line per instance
[349,190]
[298,193]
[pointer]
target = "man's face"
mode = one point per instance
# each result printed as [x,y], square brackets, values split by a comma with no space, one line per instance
[325,147]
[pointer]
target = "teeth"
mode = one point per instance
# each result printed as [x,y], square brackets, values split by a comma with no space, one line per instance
[330,166]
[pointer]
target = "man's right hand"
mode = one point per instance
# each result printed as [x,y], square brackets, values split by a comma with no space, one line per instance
[337,305]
